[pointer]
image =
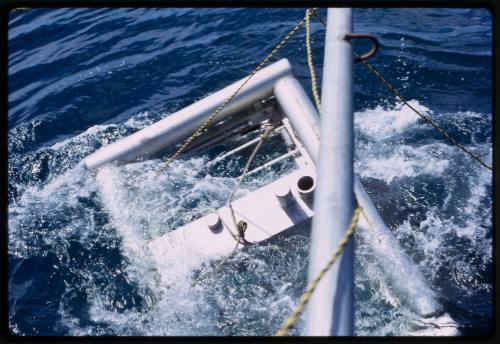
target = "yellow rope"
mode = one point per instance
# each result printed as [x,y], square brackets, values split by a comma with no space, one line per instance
[447,136]
[370,225]
[292,319]
[205,124]
[393,89]
[314,85]
[241,234]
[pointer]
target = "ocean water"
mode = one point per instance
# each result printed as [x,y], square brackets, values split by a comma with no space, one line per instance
[82,78]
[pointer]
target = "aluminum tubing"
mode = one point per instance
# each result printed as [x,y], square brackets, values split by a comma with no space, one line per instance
[402,274]
[300,111]
[295,102]
[412,285]
[180,125]
[330,309]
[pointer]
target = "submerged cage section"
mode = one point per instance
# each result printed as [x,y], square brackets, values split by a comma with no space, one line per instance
[273,97]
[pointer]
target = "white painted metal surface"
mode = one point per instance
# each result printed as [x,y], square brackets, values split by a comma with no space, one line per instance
[330,309]
[411,284]
[401,272]
[178,126]
[265,212]
[295,103]
[298,109]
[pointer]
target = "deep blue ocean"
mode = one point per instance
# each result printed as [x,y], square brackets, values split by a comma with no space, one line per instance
[81,78]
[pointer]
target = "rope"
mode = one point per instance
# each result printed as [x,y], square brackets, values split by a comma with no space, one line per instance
[314,85]
[250,159]
[393,89]
[370,225]
[205,124]
[447,136]
[321,20]
[238,238]
[241,226]
[292,319]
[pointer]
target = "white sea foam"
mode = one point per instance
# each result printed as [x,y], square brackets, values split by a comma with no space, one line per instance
[406,161]
[380,123]
[144,205]
[222,298]
[469,234]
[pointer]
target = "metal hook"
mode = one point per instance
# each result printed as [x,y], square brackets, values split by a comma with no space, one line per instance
[374,49]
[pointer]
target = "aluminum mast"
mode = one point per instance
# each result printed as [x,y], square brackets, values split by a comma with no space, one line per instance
[330,309]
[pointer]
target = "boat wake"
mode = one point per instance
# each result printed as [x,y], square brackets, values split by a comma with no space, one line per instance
[87,233]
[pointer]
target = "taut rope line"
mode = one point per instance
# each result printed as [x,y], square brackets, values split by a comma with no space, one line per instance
[292,319]
[398,94]
[207,122]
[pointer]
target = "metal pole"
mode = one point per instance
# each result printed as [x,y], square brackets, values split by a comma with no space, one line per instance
[300,111]
[330,310]
[178,126]
[408,281]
